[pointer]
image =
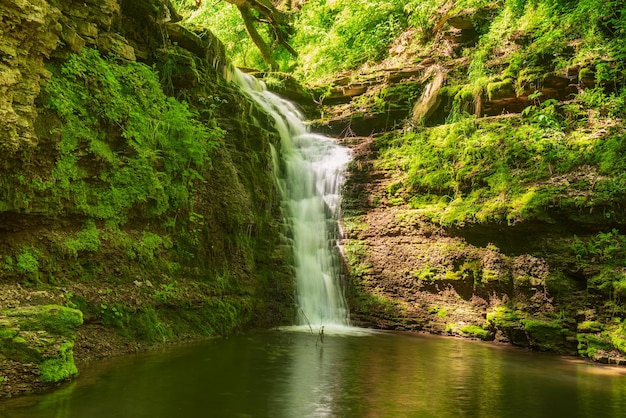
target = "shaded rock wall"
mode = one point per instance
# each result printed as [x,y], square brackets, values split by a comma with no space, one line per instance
[212,260]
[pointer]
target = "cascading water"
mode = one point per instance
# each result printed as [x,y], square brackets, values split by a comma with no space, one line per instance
[312,174]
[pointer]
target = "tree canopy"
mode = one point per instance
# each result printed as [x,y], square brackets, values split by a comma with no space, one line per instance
[263,11]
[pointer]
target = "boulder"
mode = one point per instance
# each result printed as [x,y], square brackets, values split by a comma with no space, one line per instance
[43,335]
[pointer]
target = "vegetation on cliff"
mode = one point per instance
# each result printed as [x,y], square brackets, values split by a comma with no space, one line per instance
[132,194]
[514,169]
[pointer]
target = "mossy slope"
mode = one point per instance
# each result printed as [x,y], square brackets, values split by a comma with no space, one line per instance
[503,206]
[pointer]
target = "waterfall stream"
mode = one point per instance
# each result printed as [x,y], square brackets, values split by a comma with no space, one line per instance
[310,175]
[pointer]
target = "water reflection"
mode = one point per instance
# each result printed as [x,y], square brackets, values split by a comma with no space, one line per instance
[298,374]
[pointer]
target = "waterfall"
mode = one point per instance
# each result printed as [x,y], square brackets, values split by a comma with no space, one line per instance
[309,176]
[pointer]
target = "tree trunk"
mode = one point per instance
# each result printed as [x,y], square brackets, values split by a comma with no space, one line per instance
[279,20]
[256,37]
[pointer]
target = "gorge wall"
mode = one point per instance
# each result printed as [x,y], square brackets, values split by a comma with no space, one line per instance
[137,195]
[486,206]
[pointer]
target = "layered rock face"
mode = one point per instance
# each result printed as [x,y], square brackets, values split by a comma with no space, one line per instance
[480,208]
[26,41]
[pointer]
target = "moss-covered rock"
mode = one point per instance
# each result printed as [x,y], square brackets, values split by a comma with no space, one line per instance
[43,335]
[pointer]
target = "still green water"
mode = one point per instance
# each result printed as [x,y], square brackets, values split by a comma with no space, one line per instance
[295,374]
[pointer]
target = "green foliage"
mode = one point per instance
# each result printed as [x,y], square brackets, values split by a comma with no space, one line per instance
[86,240]
[329,36]
[589,345]
[544,114]
[145,325]
[607,247]
[524,41]
[606,250]
[600,340]
[483,171]
[27,262]
[168,293]
[224,20]
[422,15]
[150,245]
[60,367]
[471,167]
[115,315]
[146,147]
[343,34]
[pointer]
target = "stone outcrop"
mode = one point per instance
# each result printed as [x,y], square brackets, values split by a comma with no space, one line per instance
[407,273]
[35,30]
[29,32]
[430,99]
[37,341]
[371,103]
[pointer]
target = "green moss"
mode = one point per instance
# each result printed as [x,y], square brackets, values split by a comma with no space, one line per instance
[355,259]
[589,344]
[590,327]
[59,320]
[376,305]
[150,165]
[8,333]
[20,349]
[495,88]
[440,312]
[465,94]
[86,240]
[476,332]
[427,273]
[27,261]
[503,317]
[403,95]
[595,339]
[40,335]
[146,325]
[546,336]
[499,171]
[60,367]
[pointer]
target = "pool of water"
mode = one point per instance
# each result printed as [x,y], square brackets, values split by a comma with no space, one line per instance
[295,373]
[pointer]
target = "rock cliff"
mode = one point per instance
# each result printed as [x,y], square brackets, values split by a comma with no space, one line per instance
[137,188]
[480,207]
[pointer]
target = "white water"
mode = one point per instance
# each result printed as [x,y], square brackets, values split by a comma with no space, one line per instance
[309,176]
